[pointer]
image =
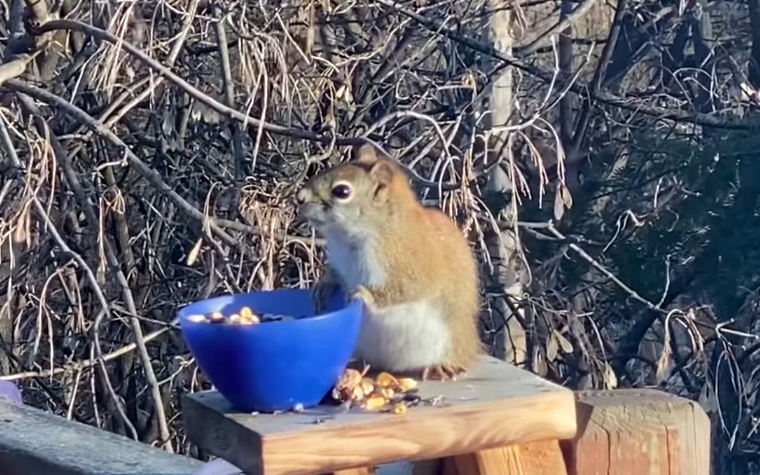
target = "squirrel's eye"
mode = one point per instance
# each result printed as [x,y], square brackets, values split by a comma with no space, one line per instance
[341,191]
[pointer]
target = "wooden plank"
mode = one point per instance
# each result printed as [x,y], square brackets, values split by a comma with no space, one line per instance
[37,442]
[496,405]
[356,471]
[536,458]
[639,431]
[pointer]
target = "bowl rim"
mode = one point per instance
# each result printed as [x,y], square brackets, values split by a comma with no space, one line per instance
[183,317]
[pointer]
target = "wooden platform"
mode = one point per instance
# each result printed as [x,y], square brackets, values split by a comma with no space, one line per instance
[495,406]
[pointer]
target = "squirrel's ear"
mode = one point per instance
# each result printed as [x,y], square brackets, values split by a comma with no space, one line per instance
[382,172]
[365,153]
[379,169]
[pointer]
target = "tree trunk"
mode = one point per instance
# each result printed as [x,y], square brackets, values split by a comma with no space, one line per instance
[504,279]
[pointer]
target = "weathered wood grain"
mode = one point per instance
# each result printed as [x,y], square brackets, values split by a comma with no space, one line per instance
[355,471]
[496,405]
[639,431]
[36,442]
[535,458]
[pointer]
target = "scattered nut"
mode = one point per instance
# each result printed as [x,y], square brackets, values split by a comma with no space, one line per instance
[386,380]
[368,386]
[373,394]
[374,403]
[357,393]
[350,378]
[387,393]
[249,320]
[246,316]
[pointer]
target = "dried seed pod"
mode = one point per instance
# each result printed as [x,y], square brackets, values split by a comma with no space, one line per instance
[215,317]
[197,318]
[399,408]
[386,380]
[374,403]
[406,384]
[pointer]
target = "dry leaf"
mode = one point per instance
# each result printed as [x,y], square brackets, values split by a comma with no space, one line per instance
[559,207]
[707,400]
[610,380]
[552,347]
[664,364]
[194,252]
[539,362]
[344,94]
[21,232]
[564,343]
[469,80]
[567,198]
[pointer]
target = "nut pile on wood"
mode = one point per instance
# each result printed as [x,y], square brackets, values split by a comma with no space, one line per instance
[383,393]
[246,316]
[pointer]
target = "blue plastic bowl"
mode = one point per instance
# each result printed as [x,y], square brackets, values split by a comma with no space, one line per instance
[273,366]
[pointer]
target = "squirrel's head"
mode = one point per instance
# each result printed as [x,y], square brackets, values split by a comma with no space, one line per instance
[353,196]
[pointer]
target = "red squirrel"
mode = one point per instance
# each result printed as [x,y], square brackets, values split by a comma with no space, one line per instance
[410,265]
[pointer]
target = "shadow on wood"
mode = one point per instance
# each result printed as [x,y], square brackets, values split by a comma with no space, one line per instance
[36,442]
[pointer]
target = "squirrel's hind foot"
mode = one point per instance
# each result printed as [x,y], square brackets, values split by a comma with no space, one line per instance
[442,372]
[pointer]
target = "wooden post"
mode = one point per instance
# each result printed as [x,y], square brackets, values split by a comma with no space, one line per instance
[638,432]
[620,432]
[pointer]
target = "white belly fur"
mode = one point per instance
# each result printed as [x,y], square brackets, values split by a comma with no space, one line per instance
[403,337]
[356,263]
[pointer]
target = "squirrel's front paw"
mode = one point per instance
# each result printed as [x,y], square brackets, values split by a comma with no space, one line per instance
[362,293]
